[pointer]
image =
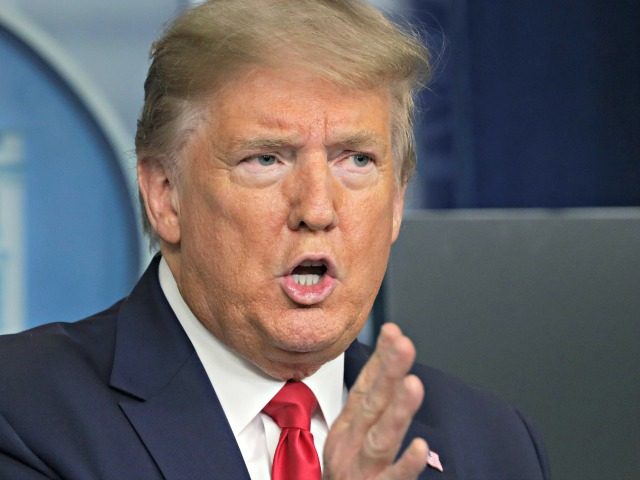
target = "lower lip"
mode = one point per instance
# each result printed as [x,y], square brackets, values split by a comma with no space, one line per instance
[308,294]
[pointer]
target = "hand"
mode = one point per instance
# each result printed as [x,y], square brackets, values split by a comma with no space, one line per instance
[366,437]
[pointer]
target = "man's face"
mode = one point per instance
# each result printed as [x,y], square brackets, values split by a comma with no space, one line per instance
[284,215]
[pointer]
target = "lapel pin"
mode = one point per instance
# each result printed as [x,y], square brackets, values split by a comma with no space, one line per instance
[433,461]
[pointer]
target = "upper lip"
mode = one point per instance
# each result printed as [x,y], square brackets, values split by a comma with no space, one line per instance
[323,258]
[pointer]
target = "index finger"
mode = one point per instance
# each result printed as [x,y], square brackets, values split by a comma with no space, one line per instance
[380,377]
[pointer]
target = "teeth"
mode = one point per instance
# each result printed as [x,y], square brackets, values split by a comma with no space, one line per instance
[306,280]
[309,263]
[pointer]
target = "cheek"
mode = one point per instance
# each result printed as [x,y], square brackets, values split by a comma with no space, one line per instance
[370,223]
[235,234]
[368,233]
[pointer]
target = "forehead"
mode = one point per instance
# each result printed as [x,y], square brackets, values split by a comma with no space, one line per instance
[299,105]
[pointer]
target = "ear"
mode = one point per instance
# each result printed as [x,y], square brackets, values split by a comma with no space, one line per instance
[398,209]
[160,198]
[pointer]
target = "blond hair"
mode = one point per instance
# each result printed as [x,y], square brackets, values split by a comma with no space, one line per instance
[345,41]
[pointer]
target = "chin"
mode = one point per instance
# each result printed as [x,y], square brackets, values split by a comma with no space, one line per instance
[300,341]
[295,360]
[312,341]
[312,329]
[305,345]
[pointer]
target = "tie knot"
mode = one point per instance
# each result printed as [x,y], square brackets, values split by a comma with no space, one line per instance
[292,406]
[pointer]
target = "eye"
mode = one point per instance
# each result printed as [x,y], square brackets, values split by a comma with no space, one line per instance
[358,169]
[361,160]
[266,160]
[260,169]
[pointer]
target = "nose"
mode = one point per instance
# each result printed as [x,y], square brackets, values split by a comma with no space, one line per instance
[313,195]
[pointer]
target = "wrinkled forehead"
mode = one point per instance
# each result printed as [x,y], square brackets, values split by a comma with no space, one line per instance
[292,97]
[265,107]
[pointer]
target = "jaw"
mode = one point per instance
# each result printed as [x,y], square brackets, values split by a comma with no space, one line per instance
[298,345]
[293,365]
[292,371]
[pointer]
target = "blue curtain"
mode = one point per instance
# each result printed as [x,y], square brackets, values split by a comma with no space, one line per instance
[534,104]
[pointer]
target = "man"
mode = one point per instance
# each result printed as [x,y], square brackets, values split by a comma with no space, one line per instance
[274,148]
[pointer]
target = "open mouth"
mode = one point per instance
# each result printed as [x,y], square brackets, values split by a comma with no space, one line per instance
[309,273]
[310,281]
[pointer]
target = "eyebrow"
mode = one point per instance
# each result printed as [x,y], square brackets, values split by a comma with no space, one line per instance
[354,141]
[264,143]
[358,140]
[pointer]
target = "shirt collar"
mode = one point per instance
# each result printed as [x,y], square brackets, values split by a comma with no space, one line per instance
[243,389]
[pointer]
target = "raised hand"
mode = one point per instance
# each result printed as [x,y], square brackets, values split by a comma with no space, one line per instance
[365,439]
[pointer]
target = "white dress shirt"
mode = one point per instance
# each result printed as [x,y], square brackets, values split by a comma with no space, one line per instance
[244,390]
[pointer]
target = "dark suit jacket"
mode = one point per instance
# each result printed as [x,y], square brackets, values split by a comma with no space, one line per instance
[122,395]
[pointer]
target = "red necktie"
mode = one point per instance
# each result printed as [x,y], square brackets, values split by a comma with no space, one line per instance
[296,457]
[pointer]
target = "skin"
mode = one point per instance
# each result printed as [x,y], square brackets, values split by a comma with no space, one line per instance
[365,438]
[284,166]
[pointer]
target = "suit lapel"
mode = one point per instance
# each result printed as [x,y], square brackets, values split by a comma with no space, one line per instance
[355,358]
[170,401]
[185,429]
